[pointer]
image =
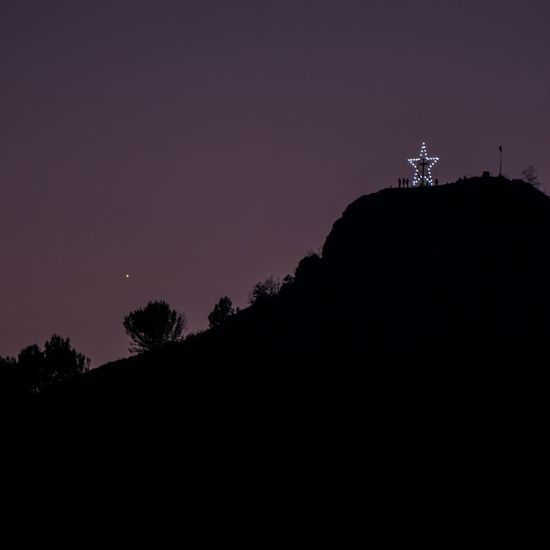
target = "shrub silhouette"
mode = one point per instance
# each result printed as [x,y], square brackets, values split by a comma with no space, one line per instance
[264,290]
[154,326]
[221,312]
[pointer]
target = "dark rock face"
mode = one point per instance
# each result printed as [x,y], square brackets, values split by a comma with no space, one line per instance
[420,333]
[467,254]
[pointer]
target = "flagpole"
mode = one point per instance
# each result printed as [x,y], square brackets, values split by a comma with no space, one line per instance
[500,166]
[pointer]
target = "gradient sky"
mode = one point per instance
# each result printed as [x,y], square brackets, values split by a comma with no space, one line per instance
[202,145]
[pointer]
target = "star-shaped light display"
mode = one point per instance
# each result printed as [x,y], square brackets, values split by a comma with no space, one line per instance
[423,167]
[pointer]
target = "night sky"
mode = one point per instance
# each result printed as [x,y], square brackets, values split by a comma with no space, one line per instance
[201,146]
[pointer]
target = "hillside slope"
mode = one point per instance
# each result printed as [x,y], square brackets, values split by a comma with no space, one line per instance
[420,336]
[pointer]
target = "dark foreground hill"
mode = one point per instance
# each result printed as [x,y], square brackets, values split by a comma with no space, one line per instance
[418,342]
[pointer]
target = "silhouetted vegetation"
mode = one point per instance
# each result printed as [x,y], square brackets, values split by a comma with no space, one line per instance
[153,326]
[530,176]
[36,369]
[8,378]
[265,290]
[222,311]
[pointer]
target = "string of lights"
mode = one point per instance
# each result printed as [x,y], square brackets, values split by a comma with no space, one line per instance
[423,168]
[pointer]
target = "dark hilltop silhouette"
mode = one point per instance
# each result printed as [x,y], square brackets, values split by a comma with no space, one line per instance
[417,342]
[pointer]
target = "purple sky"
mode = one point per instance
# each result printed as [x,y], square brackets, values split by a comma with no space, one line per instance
[202,145]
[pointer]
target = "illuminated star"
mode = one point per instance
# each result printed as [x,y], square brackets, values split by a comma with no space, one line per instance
[423,167]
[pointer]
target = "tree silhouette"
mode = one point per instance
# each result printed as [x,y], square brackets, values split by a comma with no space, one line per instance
[221,312]
[530,175]
[153,326]
[59,361]
[7,364]
[264,290]
[32,368]
[62,361]
[8,377]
